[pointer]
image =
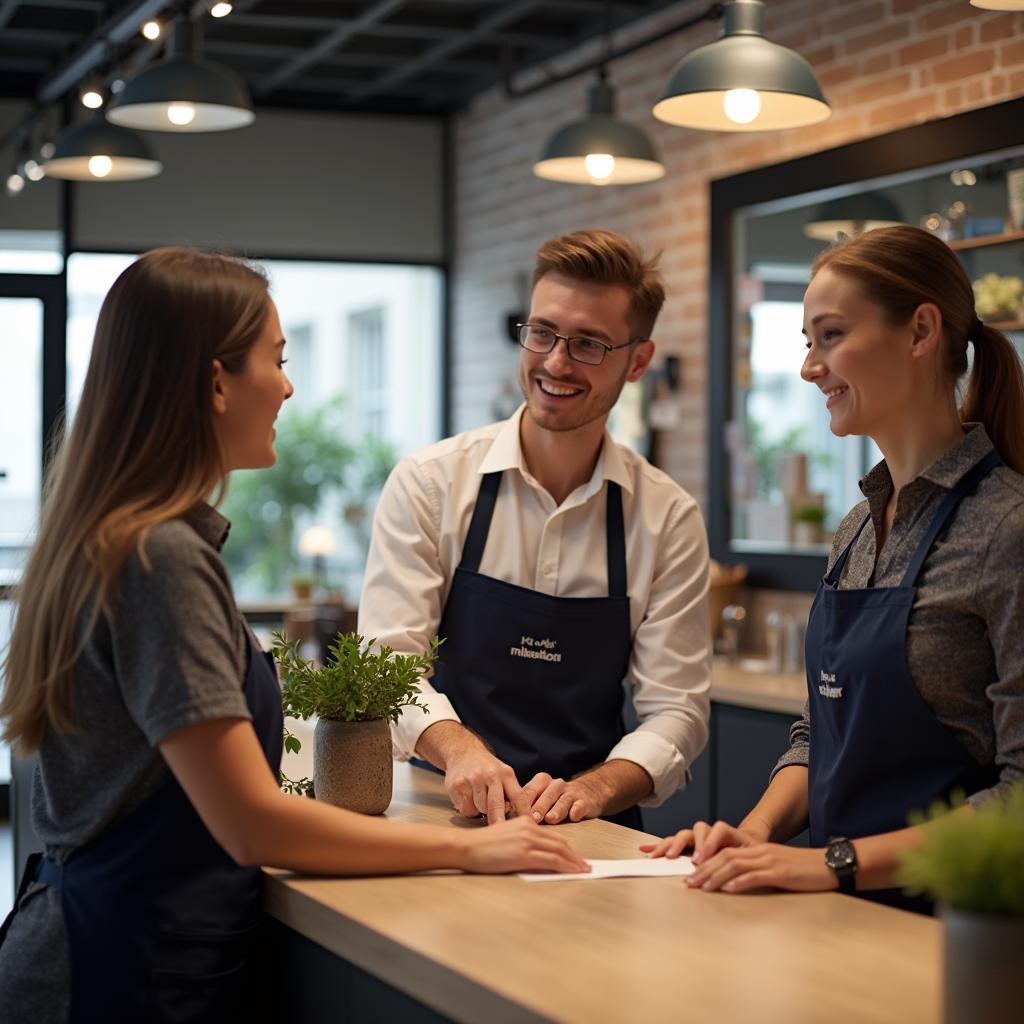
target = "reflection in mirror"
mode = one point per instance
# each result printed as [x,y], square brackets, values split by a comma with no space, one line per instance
[790,480]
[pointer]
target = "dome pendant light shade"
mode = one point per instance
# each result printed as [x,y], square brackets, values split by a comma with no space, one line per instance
[599,149]
[742,82]
[97,151]
[852,215]
[183,93]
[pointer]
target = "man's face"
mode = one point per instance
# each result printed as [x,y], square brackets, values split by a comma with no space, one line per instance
[561,393]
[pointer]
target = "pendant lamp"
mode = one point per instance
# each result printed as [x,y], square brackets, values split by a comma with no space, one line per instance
[98,151]
[599,149]
[183,93]
[852,215]
[742,82]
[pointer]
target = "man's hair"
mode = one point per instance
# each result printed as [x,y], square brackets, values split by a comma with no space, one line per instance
[604,257]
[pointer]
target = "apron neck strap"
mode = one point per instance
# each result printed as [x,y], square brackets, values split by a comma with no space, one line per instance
[967,485]
[483,512]
[480,524]
[833,575]
[616,539]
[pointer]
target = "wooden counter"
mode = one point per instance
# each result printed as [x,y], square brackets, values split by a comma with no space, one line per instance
[498,949]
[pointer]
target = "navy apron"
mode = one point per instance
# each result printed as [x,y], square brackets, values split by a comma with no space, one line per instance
[160,920]
[877,750]
[538,677]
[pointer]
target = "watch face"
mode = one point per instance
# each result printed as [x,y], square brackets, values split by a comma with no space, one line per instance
[840,855]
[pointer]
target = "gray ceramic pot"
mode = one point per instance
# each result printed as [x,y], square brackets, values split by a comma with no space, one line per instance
[352,764]
[984,961]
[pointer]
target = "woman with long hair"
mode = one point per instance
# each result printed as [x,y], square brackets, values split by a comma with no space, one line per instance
[915,640]
[156,717]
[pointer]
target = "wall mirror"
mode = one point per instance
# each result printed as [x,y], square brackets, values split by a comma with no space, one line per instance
[779,481]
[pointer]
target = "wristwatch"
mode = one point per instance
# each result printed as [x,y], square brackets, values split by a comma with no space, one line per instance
[841,857]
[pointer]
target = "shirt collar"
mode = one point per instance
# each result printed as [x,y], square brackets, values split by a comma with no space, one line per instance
[946,471]
[209,524]
[506,452]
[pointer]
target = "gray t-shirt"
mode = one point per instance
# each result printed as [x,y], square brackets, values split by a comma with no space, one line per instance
[172,653]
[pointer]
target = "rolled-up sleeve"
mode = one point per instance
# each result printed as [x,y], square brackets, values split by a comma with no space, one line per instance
[670,662]
[403,589]
[799,752]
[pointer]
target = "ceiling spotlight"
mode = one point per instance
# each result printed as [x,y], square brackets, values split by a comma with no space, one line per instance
[599,149]
[91,94]
[99,151]
[14,183]
[183,92]
[151,30]
[33,170]
[742,82]
[221,9]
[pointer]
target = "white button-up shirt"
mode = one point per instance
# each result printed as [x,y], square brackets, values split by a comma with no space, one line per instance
[419,529]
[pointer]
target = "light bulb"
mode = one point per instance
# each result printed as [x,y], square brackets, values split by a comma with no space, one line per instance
[92,98]
[600,166]
[100,166]
[15,183]
[152,29]
[181,113]
[220,10]
[34,170]
[741,106]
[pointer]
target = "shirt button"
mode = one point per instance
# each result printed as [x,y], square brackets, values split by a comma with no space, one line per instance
[548,569]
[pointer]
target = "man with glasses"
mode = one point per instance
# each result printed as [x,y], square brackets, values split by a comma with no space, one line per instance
[556,565]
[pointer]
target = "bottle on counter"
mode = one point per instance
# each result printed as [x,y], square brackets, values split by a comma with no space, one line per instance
[774,632]
[794,654]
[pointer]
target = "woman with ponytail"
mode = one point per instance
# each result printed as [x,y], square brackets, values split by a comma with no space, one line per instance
[915,640]
[156,718]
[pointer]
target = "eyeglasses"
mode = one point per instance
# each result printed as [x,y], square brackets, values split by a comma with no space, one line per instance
[541,339]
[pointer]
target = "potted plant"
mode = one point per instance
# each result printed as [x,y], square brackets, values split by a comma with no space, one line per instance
[972,865]
[808,521]
[302,587]
[354,696]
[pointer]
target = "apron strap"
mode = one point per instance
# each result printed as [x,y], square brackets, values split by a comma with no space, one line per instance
[616,540]
[968,485]
[832,576]
[480,524]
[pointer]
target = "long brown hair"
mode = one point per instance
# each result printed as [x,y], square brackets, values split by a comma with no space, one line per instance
[902,267]
[143,449]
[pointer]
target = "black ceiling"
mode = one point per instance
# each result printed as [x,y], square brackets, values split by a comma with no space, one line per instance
[403,56]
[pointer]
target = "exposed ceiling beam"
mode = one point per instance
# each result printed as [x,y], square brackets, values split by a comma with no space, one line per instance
[508,13]
[331,42]
[7,9]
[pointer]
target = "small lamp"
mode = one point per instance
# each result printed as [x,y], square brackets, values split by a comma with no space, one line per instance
[98,151]
[742,82]
[317,542]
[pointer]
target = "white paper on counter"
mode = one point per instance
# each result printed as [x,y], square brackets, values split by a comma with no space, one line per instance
[635,867]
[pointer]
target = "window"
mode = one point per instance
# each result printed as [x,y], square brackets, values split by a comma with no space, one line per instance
[366,342]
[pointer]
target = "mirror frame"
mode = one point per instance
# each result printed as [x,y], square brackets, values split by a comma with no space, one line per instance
[970,134]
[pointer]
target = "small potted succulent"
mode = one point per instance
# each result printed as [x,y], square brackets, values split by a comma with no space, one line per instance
[354,696]
[972,866]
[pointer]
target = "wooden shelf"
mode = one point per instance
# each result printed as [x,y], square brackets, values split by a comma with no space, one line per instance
[983,240]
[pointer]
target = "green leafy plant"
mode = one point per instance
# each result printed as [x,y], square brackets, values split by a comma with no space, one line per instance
[813,514]
[357,684]
[972,862]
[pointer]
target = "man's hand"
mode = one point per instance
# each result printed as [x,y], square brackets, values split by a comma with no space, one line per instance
[607,789]
[476,781]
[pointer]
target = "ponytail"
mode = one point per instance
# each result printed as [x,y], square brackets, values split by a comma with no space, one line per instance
[995,394]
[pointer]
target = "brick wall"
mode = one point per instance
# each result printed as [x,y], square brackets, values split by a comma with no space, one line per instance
[883,64]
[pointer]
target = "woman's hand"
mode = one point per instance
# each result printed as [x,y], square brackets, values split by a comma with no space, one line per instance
[705,839]
[764,866]
[518,845]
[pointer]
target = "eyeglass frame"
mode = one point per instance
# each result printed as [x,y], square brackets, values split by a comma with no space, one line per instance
[570,338]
